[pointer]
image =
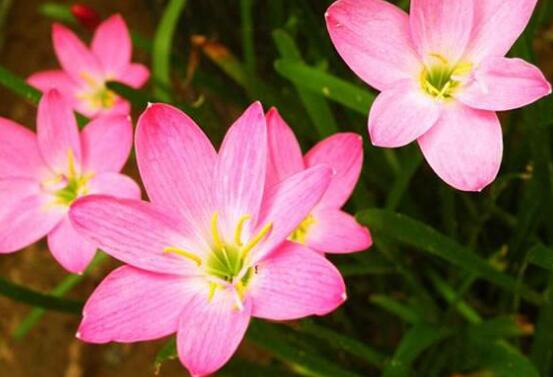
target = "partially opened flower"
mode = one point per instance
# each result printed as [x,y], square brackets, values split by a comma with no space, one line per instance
[210,250]
[42,175]
[85,71]
[443,74]
[327,228]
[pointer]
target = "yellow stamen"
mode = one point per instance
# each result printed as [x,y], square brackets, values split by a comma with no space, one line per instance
[239,228]
[441,58]
[184,253]
[212,289]
[254,241]
[71,171]
[88,79]
[215,231]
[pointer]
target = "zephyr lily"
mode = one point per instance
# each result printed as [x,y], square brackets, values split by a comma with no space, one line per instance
[442,74]
[327,228]
[41,176]
[210,250]
[85,71]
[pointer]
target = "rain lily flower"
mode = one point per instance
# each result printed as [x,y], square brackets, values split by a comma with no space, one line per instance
[327,228]
[210,251]
[41,176]
[442,76]
[85,71]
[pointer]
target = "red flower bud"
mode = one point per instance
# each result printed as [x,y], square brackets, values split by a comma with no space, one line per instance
[86,16]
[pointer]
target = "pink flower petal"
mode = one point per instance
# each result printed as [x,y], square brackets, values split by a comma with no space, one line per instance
[176,162]
[497,25]
[133,305]
[74,57]
[401,114]
[69,248]
[295,282]
[464,147]
[106,143]
[373,38]
[210,332]
[135,75]
[57,132]
[26,214]
[503,84]
[134,232]
[441,27]
[112,46]
[285,157]
[288,203]
[115,184]
[343,153]
[242,167]
[54,79]
[19,153]
[335,231]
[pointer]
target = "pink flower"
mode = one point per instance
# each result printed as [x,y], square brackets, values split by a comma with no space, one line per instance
[41,175]
[442,74]
[327,228]
[210,250]
[85,71]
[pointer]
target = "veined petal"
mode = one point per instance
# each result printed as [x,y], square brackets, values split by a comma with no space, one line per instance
[58,135]
[497,26]
[69,248]
[134,232]
[288,203]
[373,38]
[74,57]
[401,114]
[114,184]
[504,84]
[334,231]
[177,163]
[343,153]
[285,157]
[133,305]
[295,282]
[242,167]
[441,27]
[210,331]
[112,46]
[19,153]
[106,143]
[135,75]
[464,147]
[25,216]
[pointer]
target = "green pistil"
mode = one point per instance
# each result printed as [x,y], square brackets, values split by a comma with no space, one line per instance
[440,79]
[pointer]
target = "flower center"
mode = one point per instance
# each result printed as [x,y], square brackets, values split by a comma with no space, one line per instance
[97,94]
[67,187]
[441,79]
[227,262]
[299,235]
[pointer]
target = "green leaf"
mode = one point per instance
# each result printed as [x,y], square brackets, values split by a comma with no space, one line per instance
[27,296]
[138,98]
[18,86]
[326,85]
[425,238]
[58,12]
[541,256]
[271,339]
[417,340]
[500,359]
[318,109]
[246,17]
[499,328]
[343,343]
[397,308]
[161,54]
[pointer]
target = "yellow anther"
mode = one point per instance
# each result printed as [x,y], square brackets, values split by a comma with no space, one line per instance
[441,58]
[87,77]
[212,289]
[254,241]
[71,171]
[462,69]
[184,253]
[216,237]
[239,228]
[300,233]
